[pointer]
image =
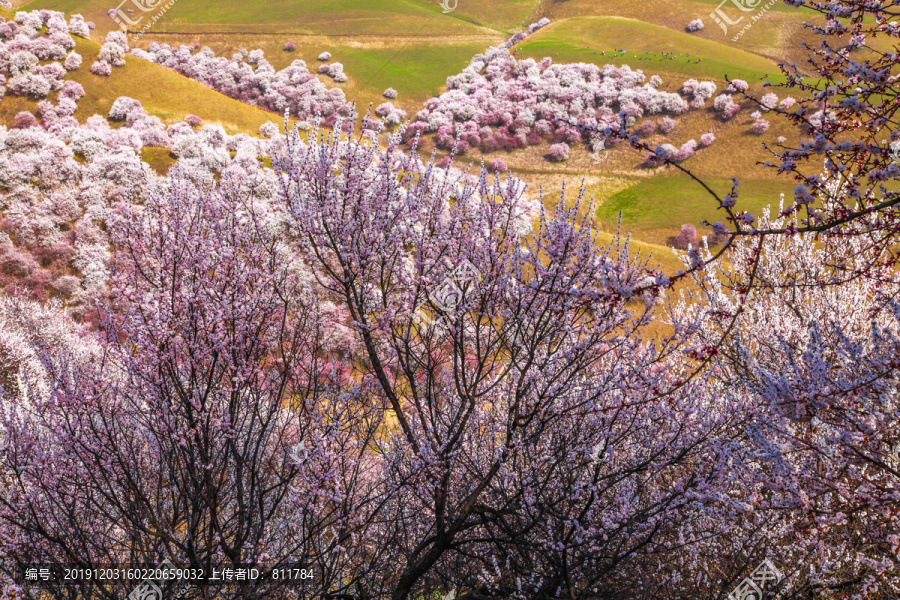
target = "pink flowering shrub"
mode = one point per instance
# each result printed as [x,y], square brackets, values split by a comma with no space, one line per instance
[645,128]
[101,68]
[334,70]
[737,86]
[787,103]
[125,108]
[24,120]
[725,105]
[689,86]
[686,151]
[535,26]
[269,129]
[193,120]
[558,152]
[498,166]
[687,237]
[667,125]
[72,89]
[390,93]
[112,53]
[702,92]
[290,47]
[769,101]
[391,114]
[29,83]
[77,26]
[73,61]
[325,56]
[759,127]
[707,139]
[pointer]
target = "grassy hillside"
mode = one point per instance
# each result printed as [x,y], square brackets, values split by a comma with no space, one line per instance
[162,92]
[649,208]
[412,46]
[581,39]
[317,17]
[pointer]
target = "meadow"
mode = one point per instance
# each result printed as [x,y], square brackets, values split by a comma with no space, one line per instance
[411,46]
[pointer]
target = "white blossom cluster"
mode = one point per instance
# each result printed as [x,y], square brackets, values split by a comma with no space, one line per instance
[112,53]
[31,39]
[250,78]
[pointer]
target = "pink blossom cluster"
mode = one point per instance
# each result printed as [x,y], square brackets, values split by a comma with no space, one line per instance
[31,39]
[686,238]
[760,126]
[62,181]
[818,367]
[499,101]
[699,91]
[737,86]
[666,125]
[538,25]
[558,152]
[725,104]
[768,101]
[250,78]
[391,114]
[334,70]
[112,53]
[787,103]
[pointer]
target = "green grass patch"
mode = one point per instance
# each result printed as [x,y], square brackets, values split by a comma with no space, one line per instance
[159,159]
[653,210]
[320,17]
[581,37]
